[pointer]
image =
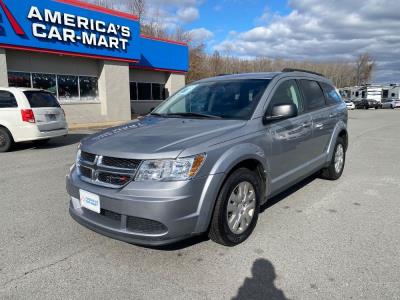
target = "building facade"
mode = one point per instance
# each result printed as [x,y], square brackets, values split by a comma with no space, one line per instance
[95,60]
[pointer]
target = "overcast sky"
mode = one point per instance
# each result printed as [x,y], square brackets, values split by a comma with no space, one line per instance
[319,30]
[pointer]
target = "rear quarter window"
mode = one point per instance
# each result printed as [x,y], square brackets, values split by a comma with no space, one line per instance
[313,94]
[7,100]
[332,97]
[39,99]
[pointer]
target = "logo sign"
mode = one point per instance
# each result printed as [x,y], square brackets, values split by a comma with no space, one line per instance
[69,27]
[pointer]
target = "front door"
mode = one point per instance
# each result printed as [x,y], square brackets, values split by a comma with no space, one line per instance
[290,138]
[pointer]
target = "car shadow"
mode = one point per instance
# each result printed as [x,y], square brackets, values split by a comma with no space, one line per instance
[58,142]
[261,284]
[271,202]
[276,199]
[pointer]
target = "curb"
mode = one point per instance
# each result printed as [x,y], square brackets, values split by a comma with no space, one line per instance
[95,125]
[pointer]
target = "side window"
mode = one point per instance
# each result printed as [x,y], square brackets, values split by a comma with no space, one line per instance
[287,93]
[314,97]
[7,100]
[332,97]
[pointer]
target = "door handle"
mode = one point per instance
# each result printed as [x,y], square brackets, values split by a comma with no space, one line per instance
[332,116]
[319,126]
[306,125]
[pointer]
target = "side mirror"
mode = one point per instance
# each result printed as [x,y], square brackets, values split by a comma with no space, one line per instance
[281,112]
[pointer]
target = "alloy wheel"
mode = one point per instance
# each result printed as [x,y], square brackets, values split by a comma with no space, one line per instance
[241,207]
[339,158]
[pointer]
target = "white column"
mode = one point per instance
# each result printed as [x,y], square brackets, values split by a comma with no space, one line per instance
[175,82]
[3,68]
[114,91]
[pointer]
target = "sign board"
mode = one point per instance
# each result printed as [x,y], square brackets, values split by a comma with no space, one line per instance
[68,27]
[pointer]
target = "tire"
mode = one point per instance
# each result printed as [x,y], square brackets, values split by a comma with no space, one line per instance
[332,172]
[221,231]
[392,107]
[6,140]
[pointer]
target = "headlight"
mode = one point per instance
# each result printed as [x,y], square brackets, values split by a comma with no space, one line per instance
[170,170]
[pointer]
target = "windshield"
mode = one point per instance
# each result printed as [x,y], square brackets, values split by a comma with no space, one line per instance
[39,99]
[233,99]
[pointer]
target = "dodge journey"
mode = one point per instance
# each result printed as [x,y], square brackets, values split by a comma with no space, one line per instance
[206,159]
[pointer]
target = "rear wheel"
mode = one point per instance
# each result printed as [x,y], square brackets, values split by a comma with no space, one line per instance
[335,169]
[237,208]
[6,140]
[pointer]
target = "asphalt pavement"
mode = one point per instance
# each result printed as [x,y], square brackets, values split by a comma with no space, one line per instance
[319,240]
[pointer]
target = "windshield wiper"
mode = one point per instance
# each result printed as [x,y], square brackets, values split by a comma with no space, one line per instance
[192,114]
[158,115]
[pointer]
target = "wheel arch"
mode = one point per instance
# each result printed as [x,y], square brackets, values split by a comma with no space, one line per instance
[339,131]
[4,125]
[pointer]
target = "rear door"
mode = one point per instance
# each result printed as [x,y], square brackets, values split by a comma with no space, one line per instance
[10,115]
[48,112]
[324,116]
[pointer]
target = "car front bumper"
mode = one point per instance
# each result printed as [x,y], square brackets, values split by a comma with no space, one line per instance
[152,214]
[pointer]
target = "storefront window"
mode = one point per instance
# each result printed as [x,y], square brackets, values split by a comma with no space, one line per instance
[19,79]
[147,91]
[157,91]
[47,82]
[67,88]
[133,91]
[89,89]
[144,91]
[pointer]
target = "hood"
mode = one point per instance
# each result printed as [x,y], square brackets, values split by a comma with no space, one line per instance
[156,137]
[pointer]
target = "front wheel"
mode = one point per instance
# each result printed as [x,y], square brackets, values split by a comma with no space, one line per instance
[237,208]
[335,169]
[6,140]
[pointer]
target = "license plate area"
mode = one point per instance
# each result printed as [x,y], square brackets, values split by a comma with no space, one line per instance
[51,117]
[90,201]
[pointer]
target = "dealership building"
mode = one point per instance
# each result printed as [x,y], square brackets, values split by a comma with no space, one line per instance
[95,60]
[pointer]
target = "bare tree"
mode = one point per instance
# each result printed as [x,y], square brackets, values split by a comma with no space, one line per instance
[365,66]
[137,7]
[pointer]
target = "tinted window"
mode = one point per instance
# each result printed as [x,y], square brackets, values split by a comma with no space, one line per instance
[18,79]
[41,99]
[45,82]
[68,88]
[230,99]
[7,100]
[133,91]
[144,91]
[314,97]
[158,91]
[332,97]
[287,93]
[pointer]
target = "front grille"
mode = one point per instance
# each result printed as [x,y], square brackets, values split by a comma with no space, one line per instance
[107,171]
[111,215]
[85,172]
[113,179]
[120,162]
[89,157]
[145,226]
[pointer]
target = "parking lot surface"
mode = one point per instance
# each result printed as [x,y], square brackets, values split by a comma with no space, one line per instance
[319,240]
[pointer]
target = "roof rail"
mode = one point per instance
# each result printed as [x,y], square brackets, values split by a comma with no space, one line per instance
[286,70]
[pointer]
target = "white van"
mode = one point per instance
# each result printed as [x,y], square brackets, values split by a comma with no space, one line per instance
[29,115]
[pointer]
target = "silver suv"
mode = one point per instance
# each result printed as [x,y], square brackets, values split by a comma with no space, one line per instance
[207,158]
